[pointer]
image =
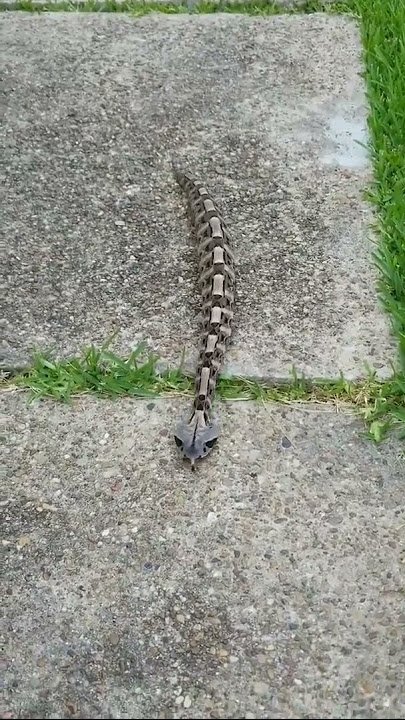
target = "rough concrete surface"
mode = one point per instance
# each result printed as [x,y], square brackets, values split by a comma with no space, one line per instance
[267,584]
[267,110]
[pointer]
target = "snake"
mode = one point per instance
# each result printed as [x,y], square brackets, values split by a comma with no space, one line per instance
[196,435]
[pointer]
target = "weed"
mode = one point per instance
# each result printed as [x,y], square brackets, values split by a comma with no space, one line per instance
[101,372]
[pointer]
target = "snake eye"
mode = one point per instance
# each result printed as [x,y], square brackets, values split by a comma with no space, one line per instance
[211,443]
[178,442]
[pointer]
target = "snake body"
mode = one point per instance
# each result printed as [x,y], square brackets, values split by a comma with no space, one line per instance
[196,435]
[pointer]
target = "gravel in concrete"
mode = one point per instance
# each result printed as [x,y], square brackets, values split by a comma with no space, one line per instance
[267,110]
[267,584]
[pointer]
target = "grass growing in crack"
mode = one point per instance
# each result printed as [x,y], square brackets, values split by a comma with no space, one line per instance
[101,372]
[139,8]
[133,7]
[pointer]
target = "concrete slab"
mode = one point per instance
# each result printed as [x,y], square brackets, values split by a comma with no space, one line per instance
[267,584]
[268,111]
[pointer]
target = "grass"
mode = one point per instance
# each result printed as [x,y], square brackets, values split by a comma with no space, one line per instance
[383,35]
[139,8]
[100,372]
[382,404]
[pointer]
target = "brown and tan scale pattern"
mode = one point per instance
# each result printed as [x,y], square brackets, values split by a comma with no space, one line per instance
[196,436]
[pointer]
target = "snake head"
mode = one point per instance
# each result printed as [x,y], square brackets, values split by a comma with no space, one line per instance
[196,441]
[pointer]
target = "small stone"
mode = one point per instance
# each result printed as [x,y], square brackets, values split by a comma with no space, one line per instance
[233,659]
[105,532]
[47,506]
[223,653]
[211,518]
[114,638]
[285,442]
[366,688]
[180,618]
[179,700]
[23,541]
[260,688]
[116,486]
[187,701]
[132,190]
[119,223]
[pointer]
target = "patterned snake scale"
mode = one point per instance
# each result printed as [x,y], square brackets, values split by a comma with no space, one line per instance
[196,435]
